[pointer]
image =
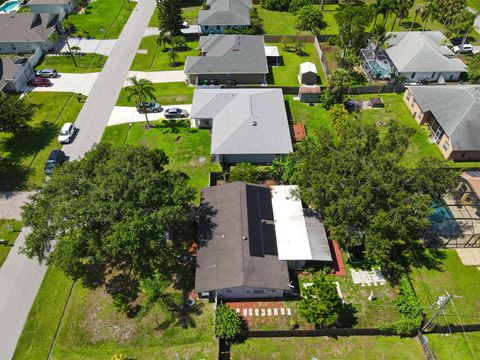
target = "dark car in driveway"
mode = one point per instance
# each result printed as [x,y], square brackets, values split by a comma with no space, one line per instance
[149,107]
[47,73]
[56,158]
[40,81]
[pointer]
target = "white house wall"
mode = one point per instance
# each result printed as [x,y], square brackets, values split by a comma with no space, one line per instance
[248,292]
[427,76]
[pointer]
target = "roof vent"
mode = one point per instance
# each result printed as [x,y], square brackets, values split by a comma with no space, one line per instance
[244,238]
[254,123]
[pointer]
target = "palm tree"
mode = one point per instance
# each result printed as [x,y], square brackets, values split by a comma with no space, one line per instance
[141,91]
[379,36]
[339,80]
[163,39]
[403,9]
[418,9]
[427,11]
[173,56]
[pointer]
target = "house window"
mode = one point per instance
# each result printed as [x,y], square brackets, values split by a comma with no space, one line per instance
[433,75]
[463,154]
[420,115]
[258,291]
[413,104]
[218,27]
[206,27]
[228,291]
[408,98]
[451,77]
[413,75]
[446,146]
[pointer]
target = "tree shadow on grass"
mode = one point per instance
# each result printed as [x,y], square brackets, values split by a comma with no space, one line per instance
[431,259]
[347,317]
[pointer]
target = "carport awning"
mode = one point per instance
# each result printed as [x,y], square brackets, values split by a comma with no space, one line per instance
[271,51]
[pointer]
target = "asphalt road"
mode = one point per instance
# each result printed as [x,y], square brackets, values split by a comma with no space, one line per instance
[96,111]
[20,278]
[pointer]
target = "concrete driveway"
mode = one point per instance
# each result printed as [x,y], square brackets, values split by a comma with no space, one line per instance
[77,83]
[11,204]
[157,76]
[91,46]
[127,114]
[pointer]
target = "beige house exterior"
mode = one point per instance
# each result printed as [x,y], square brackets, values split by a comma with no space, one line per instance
[452,114]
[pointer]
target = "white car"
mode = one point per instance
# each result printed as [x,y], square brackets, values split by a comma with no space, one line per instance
[173,112]
[465,49]
[66,133]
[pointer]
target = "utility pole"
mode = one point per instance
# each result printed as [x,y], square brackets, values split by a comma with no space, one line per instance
[441,303]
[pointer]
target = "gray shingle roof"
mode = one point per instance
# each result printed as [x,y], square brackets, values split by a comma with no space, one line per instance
[422,51]
[7,68]
[26,27]
[225,259]
[229,54]
[457,110]
[226,12]
[245,121]
[49,2]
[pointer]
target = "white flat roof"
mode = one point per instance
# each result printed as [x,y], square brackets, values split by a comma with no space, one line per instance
[291,228]
[271,51]
[308,67]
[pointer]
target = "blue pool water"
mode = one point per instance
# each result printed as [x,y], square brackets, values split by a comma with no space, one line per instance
[443,221]
[9,6]
[381,72]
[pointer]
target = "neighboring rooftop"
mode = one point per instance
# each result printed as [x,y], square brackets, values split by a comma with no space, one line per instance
[457,110]
[49,2]
[237,239]
[245,121]
[226,12]
[8,66]
[26,27]
[473,178]
[229,54]
[422,51]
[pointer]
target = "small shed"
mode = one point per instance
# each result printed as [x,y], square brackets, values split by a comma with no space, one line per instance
[308,74]
[376,103]
[273,56]
[309,94]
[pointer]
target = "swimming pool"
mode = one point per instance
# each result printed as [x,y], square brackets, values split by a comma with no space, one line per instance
[9,6]
[380,71]
[443,221]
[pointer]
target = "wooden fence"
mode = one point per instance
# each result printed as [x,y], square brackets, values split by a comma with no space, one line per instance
[288,38]
[324,64]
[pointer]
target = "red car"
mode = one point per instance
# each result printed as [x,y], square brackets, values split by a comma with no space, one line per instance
[40,81]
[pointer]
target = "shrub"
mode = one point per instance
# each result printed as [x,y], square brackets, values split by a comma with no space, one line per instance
[276,5]
[227,323]
[296,5]
[244,172]
[408,307]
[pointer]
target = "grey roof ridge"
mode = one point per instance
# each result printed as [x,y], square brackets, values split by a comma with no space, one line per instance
[465,113]
[233,132]
[244,208]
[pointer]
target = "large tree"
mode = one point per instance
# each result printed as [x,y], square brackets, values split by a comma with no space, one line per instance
[310,18]
[113,217]
[15,113]
[170,16]
[368,197]
[473,69]
[320,304]
[352,22]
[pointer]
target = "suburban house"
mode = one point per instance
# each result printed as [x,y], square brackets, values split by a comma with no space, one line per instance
[248,125]
[219,15]
[228,59]
[452,113]
[467,191]
[14,73]
[59,7]
[22,33]
[417,55]
[249,237]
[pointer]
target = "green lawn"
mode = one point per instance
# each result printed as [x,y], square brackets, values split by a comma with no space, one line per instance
[93,329]
[279,23]
[30,150]
[452,276]
[87,63]
[287,73]
[190,10]
[157,60]
[165,93]
[474,4]
[107,15]
[351,347]
[454,347]
[448,273]
[184,146]
[395,108]
[9,236]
